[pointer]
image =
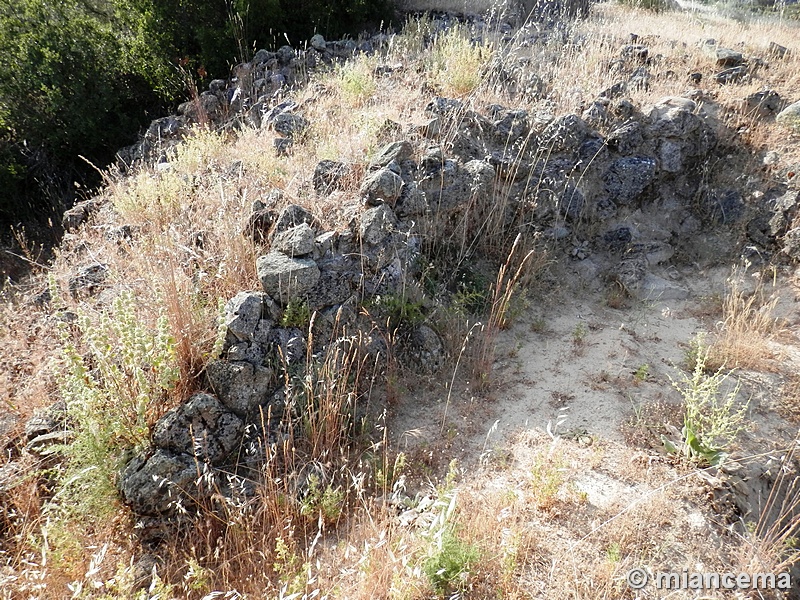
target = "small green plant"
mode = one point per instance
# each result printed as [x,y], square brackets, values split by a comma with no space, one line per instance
[449,559]
[324,501]
[547,477]
[614,552]
[711,416]
[296,314]
[642,373]
[457,63]
[579,333]
[357,81]
[112,394]
[398,311]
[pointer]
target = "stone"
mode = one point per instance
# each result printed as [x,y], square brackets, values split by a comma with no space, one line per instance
[732,75]
[243,313]
[395,151]
[155,485]
[789,117]
[765,103]
[726,57]
[88,278]
[627,178]
[201,427]
[427,348]
[284,277]
[382,186]
[564,134]
[318,43]
[328,175]
[289,124]
[240,386]
[295,242]
[291,216]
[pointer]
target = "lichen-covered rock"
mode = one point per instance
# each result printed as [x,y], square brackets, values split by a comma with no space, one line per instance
[241,386]
[154,485]
[328,175]
[789,117]
[564,134]
[628,177]
[398,152]
[284,277]
[201,427]
[382,186]
[427,348]
[243,313]
[292,216]
[289,124]
[297,241]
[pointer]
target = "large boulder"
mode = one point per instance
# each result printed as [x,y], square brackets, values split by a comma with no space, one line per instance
[202,427]
[240,385]
[382,186]
[285,278]
[295,242]
[159,483]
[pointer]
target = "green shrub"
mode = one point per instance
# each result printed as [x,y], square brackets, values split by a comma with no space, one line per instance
[712,418]
[113,390]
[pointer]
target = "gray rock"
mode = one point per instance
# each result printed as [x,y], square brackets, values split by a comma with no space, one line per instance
[295,242]
[427,347]
[382,186]
[318,43]
[240,386]
[202,427]
[243,313]
[732,75]
[627,178]
[328,175]
[398,152]
[291,216]
[285,278]
[789,117]
[728,58]
[154,485]
[654,253]
[289,124]
[564,134]
[765,103]
[282,145]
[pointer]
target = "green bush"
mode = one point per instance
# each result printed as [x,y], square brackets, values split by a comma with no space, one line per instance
[80,78]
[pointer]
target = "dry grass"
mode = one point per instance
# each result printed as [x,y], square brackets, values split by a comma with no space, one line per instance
[748,326]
